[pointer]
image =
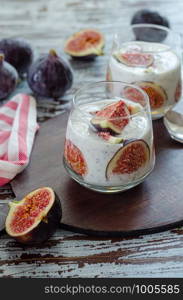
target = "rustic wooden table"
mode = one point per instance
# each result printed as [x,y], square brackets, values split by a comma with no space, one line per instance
[47,23]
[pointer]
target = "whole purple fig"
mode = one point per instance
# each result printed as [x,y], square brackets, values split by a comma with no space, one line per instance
[8,78]
[50,76]
[18,53]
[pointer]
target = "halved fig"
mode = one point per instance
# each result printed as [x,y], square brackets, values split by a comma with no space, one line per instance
[109,138]
[18,53]
[50,76]
[75,158]
[178,91]
[128,159]
[85,44]
[108,75]
[112,118]
[35,218]
[156,93]
[136,59]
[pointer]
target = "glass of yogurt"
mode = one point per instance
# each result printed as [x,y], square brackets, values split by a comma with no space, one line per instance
[109,139]
[149,56]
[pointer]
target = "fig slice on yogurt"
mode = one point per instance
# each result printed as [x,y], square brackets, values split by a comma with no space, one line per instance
[156,93]
[135,59]
[35,218]
[108,75]
[134,155]
[112,118]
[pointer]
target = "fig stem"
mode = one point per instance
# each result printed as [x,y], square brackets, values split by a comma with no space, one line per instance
[52,52]
[98,51]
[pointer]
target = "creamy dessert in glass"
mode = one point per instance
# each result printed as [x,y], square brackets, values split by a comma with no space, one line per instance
[109,139]
[149,56]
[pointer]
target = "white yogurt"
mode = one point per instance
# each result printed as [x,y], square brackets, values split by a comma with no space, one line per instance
[98,152]
[165,70]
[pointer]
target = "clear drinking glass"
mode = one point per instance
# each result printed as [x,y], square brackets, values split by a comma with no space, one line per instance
[109,138]
[149,56]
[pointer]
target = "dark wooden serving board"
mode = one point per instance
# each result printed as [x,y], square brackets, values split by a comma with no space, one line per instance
[154,205]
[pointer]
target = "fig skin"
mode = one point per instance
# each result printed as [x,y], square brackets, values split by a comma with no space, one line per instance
[110,138]
[104,120]
[45,229]
[83,40]
[86,58]
[18,53]
[146,16]
[9,78]
[50,76]
[72,154]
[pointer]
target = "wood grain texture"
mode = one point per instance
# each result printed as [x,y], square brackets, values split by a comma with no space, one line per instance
[46,23]
[143,209]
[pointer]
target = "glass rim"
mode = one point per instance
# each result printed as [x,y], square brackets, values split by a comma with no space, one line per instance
[144,108]
[153,26]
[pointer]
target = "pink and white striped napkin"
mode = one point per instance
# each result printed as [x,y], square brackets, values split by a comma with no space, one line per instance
[18,126]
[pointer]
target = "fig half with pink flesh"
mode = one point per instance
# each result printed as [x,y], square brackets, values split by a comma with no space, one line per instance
[156,93]
[178,91]
[50,76]
[129,158]
[75,158]
[112,118]
[35,218]
[136,59]
[85,44]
